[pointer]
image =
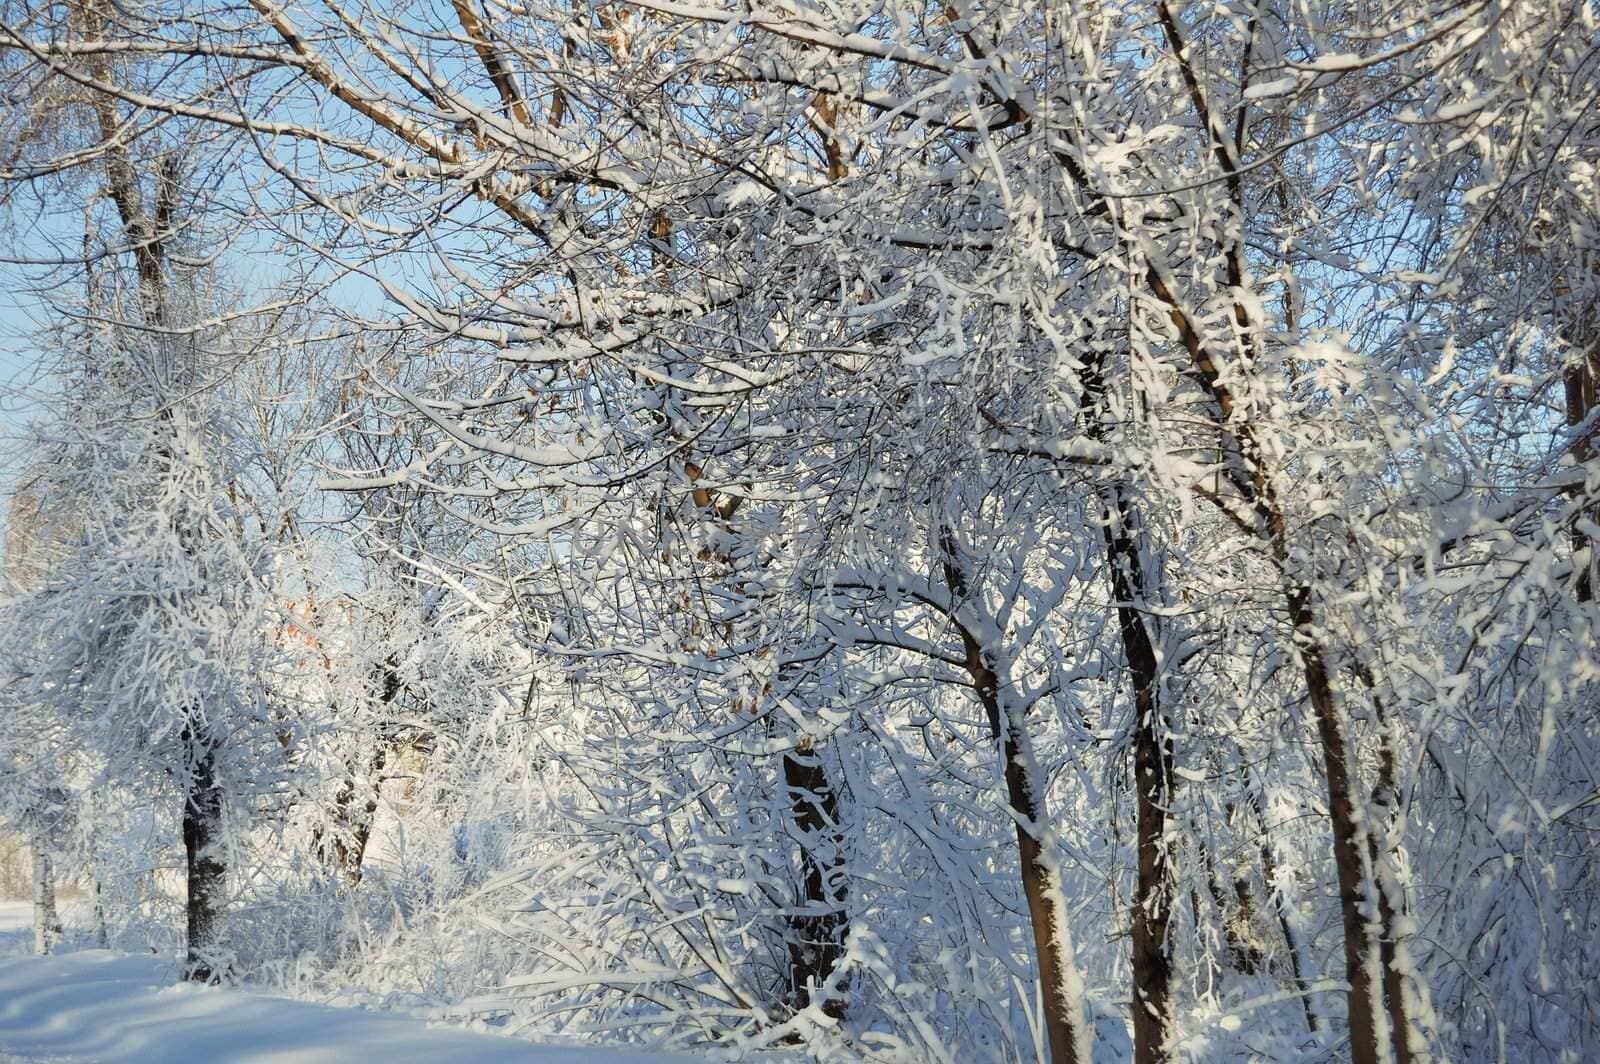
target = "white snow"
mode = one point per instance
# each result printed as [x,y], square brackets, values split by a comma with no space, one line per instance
[1279,87]
[111,1008]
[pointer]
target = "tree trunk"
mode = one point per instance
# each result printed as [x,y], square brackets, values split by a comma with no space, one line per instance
[343,845]
[1579,379]
[1236,915]
[1154,888]
[355,803]
[1370,1039]
[202,828]
[818,931]
[351,849]
[1041,879]
[47,929]
[1153,770]
[1041,885]
[1385,806]
[1394,989]
[102,935]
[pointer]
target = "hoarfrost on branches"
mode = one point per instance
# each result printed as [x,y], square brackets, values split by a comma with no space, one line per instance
[910,532]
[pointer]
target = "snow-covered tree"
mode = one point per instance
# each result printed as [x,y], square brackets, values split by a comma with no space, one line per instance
[952,531]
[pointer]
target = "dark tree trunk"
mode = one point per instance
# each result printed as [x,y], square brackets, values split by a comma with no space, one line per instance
[1579,379]
[343,845]
[351,849]
[1394,991]
[817,932]
[202,829]
[1154,889]
[1236,915]
[1152,768]
[1350,844]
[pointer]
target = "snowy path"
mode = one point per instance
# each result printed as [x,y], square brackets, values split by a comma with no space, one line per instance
[110,1008]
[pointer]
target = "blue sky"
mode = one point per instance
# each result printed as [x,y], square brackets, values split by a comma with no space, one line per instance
[21,381]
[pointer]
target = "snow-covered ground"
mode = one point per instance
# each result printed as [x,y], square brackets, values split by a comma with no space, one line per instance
[111,1008]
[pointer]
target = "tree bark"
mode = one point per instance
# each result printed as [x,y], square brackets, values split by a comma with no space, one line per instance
[1153,772]
[47,928]
[1236,916]
[817,933]
[356,802]
[1384,807]
[1041,880]
[1368,1041]
[1579,381]
[102,934]
[202,828]
[1041,886]
[1154,888]
[343,846]
[1152,768]
[1369,1024]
